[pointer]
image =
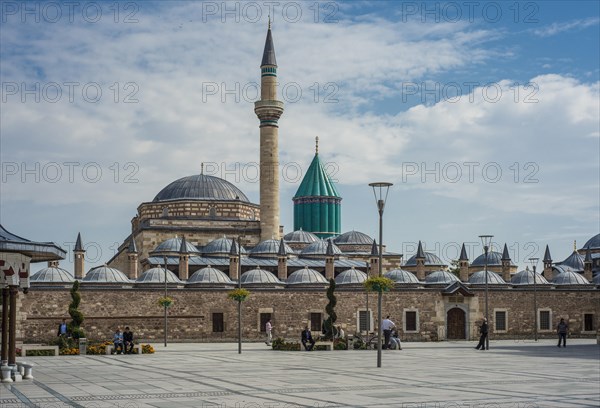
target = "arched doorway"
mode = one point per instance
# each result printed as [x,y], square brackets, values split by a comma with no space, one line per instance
[455,321]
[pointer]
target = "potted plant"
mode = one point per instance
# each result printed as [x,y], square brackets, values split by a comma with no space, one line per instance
[165,301]
[238,294]
[378,284]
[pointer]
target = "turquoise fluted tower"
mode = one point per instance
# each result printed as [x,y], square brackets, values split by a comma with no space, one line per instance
[317,204]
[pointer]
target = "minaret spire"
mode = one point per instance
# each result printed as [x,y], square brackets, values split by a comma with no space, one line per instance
[316,145]
[269,110]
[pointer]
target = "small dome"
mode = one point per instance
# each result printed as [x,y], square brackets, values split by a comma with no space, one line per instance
[596,279]
[52,275]
[526,278]
[574,261]
[306,277]
[268,248]
[478,278]
[431,259]
[157,275]
[201,187]
[220,247]
[209,275]
[441,278]
[401,276]
[259,276]
[105,274]
[300,237]
[318,249]
[593,242]
[353,238]
[569,278]
[558,269]
[172,245]
[494,259]
[351,277]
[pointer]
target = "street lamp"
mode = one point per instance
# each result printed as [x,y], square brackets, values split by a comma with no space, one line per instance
[239,254]
[534,262]
[380,191]
[165,303]
[486,240]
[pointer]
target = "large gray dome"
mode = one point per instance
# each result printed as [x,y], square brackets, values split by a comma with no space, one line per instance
[209,275]
[526,278]
[478,278]
[269,248]
[319,249]
[306,277]
[220,247]
[52,274]
[105,274]
[494,259]
[353,238]
[569,278]
[575,261]
[173,245]
[300,237]
[593,242]
[157,275]
[201,187]
[259,277]
[401,276]
[431,259]
[441,278]
[351,277]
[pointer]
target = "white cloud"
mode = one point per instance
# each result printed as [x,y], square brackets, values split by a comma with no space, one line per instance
[557,28]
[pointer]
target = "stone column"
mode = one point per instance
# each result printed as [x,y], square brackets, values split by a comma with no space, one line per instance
[132,269]
[282,267]
[79,264]
[5,309]
[505,270]
[12,325]
[420,268]
[464,270]
[233,267]
[373,267]
[329,267]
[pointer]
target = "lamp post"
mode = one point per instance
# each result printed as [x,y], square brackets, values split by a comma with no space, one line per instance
[534,262]
[239,254]
[486,240]
[368,314]
[166,324]
[380,191]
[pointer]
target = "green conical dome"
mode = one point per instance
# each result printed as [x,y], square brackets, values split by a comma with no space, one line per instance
[317,206]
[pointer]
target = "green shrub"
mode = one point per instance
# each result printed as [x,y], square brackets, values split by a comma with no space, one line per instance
[38,353]
[282,345]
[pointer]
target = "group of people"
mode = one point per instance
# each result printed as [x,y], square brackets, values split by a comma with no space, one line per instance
[123,341]
[561,329]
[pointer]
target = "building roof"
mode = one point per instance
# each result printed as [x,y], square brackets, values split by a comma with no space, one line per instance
[350,277]
[52,274]
[37,251]
[574,261]
[547,256]
[268,248]
[255,262]
[209,275]
[430,259]
[441,277]
[157,275]
[105,274]
[478,278]
[596,279]
[300,237]
[319,248]
[201,187]
[463,253]
[494,259]
[316,182]
[353,238]
[221,247]
[78,244]
[593,242]
[259,277]
[525,277]
[306,276]
[173,246]
[570,278]
[401,276]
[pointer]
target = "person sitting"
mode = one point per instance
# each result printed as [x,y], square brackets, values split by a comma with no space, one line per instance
[307,338]
[395,341]
[118,342]
[63,329]
[128,340]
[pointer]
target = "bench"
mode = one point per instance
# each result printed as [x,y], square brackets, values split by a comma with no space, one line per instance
[327,344]
[26,347]
[136,348]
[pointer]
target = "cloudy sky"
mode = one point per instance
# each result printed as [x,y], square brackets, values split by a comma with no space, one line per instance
[484,115]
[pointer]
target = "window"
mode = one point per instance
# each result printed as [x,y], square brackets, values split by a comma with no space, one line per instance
[217,323]
[365,320]
[544,320]
[410,319]
[264,318]
[315,322]
[500,320]
[588,322]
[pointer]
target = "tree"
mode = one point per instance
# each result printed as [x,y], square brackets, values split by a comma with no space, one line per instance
[455,267]
[329,330]
[76,316]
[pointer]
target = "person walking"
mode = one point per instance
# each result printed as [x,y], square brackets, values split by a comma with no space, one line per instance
[63,329]
[483,330]
[562,329]
[387,325]
[269,332]
[306,337]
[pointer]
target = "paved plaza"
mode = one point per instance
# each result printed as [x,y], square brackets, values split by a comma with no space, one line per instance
[512,374]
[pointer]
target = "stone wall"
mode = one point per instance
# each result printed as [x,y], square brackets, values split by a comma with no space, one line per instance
[190,318]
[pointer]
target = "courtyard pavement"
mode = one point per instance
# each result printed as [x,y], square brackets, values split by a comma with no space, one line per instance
[512,374]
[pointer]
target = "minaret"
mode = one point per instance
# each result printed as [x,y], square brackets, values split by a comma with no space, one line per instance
[184,260]
[268,110]
[282,261]
[548,265]
[79,253]
[505,264]
[420,260]
[463,264]
[132,258]
[374,260]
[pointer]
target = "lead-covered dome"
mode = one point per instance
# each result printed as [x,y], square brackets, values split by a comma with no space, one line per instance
[569,278]
[478,278]
[526,278]
[306,276]
[353,238]
[210,276]
[401,276]
[105,274]
[319,249]
[351,277]
[593,242]
[173,245]
[221,247]
[431,259]
[574,261]
[441,278]
[269,248]
[157,275]
[494,259]
[201,187]
[259,277]
[300,237]
[52,274]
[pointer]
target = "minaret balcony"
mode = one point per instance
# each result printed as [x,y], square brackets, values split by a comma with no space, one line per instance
[269,108]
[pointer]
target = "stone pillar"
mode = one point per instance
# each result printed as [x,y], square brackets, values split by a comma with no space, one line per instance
[464,270]
[4,346]
[329,267]
[12,324]
[184,266]
[132,269]
[420,268]
[373,267]
[233,267]
[505,270]
[282,267]
[79,263]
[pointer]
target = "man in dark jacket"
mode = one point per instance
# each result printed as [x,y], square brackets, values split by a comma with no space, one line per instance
[484,332]
[63,329]
[562,330]
[307,338]
[128,340]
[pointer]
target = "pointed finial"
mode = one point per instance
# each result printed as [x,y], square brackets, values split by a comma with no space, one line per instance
[202,168]
[317,145]
[575,246]
[269,21]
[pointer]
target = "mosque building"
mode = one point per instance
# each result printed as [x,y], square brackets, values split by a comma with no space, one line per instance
[209,235]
